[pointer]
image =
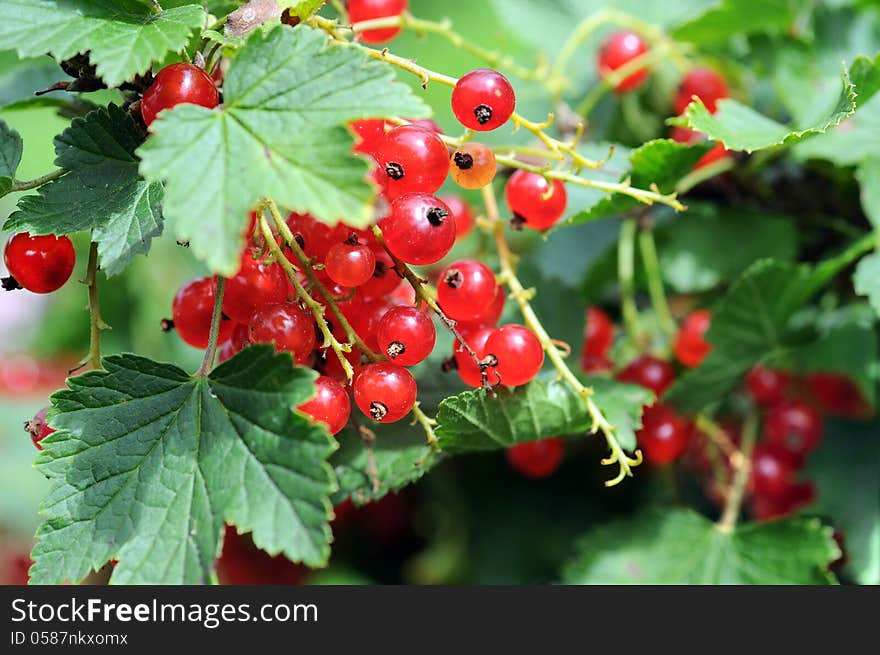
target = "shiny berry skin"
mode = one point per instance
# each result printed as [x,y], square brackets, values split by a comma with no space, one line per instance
[287,326]
[427,124]
[256,284]
[664,435]
[704,83]
[772,472]
[767,386]
[794,427]
[419,229]
[492,314]
[472,165]
[518,354]
[329,406]
[483,100]
[384,279]
[537,459]
[838,395]
[361,10]
[191,312]
[466,290]
[350,264]
[384,392]
[533,200]
[178,84]
[463,214]
[413,159]
[40,264]
[38,428]
[238,340]
[365,319]
[468,370]
[690,345]
[406,335]
[618,50]
[331,367]
[370,133]
[648,372]
[599,333]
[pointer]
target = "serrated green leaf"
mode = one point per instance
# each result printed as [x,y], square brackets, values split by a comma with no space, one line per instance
[681,547]
[10,156]
[852,142]
[102,191]
[865,75]
[475,421]
[728,18]
[148,463]
[866,279]
[123,37]
[280,134]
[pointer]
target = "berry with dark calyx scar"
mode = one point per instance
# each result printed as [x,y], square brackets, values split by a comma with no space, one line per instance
[39,264]
[690,345]
[350,263]
[419,229]
[537,459]
[767,386]
[192,309]
[483,100]
[463,214]
[287,326]
[384,392]
[365,317]
[364,10]
[256,284]
[406,335]
[38,428]
[468,370]
[384,279]
[794,427]
[704,83]
[619,49]
[329,406]
[664,435]
[648,372]
[472,165]
[178,84]
[536,203]
[516,354]
[413,160]
[466,290]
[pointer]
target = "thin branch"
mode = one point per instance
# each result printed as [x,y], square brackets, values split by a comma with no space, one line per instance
[655,282]
[96,323]
[626,275]
[743,466]
[27,185]
[214,334]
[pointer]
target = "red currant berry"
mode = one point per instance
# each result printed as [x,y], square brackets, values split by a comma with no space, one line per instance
[483,100]
[767,386]
[595,364]
[690,137]
[40,264]
[599,335]
[492,314]
[329,406]
[362,10]
[771,473]
[691,346]
[255,284]
[473,165]
[350,264]
[192,310]
[618,50]
[385,392]
[468,370]
[537,459]
[178,84]
[797,496]
[535,203]
[38,428]
[837,395]
[463,214]
[365,318]
[331,366]
[794,427]
[466,290]
[648,372]
[287,326]
[370,133]
[414,160]
[704,83]
[406,335]
[239,339]
[427,124]
[664,435]
[419,229]
[384,279]
[516,354]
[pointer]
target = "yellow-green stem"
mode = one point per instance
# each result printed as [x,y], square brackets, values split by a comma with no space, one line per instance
[214,332]
[743,467]
[655,282]
[626,277]
[96,323]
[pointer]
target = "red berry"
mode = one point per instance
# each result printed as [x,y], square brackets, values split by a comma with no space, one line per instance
[370,133]
[599,333]
[192,310]
[798,495]
[472,165]
[537,459]
[419,229]
[690,343]
[466,290]
[772,472]
[287,326]
[794,427]
[704,83]
[178,84]
[595,364]
[648,372]
[518,354]
[413,159]
[255,284]
[534,201]
[406,335]
[427,124]
[664,435]
[329,406]
[365,317]
[767,386]
[361,10]
[239,339]
[619,49]
[838,395]
[331,366]
[385,392]
[350,264]
[475,338]
[40,264]
[492,313]
[690,137]
[38,428]
[463,214]
[483,100]
[384,279]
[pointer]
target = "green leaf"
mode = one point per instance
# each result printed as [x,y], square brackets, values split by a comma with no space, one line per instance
[728,18]
[19,78]
[303,9]
[475,421]
[279,134]
[123,37]
[865,75]
[868,176]
[10,156]
[678,546]
[102,192]
[148,463]
[662,162]
[853,142]
[866,279]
